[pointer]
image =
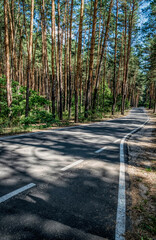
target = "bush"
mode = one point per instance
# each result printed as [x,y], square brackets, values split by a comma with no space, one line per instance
[37,105]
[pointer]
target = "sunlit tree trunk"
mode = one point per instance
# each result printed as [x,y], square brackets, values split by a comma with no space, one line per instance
[104,77]
[127,52]
[114,77]
[9,91]
[44,51]
[91,61]
[20,60]
[29,58]
[101,57]
[64,43]
[59,64]
[65,72]
[33,62]
[70,66]
[119,69]
[154,109]
[53,56]
[12,34]
[78,61]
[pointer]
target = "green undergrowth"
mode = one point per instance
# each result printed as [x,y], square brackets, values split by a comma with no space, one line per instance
[13,120]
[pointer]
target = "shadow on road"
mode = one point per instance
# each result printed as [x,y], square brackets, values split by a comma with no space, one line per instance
[74,205]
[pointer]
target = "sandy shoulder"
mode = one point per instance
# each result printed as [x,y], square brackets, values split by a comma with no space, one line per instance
[141,193]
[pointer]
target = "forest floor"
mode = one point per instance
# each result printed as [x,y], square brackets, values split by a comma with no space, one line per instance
[64,123]
[142,189]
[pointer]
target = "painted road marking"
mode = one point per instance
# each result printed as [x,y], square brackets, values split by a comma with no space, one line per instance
[121,208]
[14,193]
[72,165]
[100,150]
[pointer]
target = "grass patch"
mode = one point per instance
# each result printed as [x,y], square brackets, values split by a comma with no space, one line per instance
[150,224]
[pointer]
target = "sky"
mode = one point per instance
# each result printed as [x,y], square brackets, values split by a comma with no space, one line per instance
[143,15]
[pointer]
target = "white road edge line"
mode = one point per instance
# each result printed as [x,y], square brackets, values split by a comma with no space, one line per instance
[100,150]
[14,193]
[121,208]
[117,140]
[72,165]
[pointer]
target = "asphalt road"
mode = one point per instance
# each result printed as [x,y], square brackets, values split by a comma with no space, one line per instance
[75,203]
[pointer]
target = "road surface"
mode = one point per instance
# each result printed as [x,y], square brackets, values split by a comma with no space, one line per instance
[76,175]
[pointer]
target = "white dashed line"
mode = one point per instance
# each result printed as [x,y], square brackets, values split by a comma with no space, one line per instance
[100,150]
[117,140]
[14,193]
[72,165]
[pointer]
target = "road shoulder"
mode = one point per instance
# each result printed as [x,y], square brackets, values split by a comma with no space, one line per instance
[141,193]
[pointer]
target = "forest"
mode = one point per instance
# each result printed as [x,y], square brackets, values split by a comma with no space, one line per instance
[70,60]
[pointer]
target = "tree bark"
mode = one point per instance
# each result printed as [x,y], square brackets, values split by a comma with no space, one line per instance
[12,31]
[127,53]
[53,55]
[33,61]
[70,67]
[88,93]
[29,58]
[104,76]
[60,65]
[78,61]
[124,63]
[9,90]
[44,51]
[101,57]
[114,78]
[154,108]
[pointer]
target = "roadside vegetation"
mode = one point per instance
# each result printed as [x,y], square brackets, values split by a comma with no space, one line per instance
[13,119]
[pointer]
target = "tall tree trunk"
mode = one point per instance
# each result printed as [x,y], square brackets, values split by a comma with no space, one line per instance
[101,57]
[12,33]
[67,60]
[120,64]
[70,67]
[124,63]
[44,51]
[104,76]
[65,56]
[60,65]
[75,59]
[99,38]
[65,71]
[127,53]
[1,54]
[33,61]
[29,58]
[9,90]
[154,108]
[114,78]
[53,55]
[20,59]
[78,61]
[129,39]
[40,82]
[88,93]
